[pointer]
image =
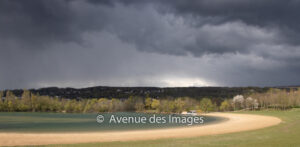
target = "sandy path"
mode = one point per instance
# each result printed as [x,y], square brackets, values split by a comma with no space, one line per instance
[236,123]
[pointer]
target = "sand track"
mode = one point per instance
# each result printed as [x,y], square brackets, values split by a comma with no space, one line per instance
[236,123]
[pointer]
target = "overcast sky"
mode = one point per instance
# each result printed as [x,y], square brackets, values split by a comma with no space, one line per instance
[77,43]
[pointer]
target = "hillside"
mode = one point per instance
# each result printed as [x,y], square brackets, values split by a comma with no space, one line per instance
[125,92]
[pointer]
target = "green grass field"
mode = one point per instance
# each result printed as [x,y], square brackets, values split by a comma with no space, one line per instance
[287,134]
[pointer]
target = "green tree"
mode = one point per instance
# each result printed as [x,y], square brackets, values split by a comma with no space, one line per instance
[115,105]
[1,101]
[167,106]
[78,106]
[10,100]
[34,103]
[130,103]
[179,105]
[10,107]
[139,106]
[103,105]
[55,105]
[68,106]
[44,103]
[25,102]
[171,107]
[155,104]
[206,105]
[91,106]
[225,106]
[148,102]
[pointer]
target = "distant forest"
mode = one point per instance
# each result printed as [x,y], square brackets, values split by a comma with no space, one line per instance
[154,92]
[144,99]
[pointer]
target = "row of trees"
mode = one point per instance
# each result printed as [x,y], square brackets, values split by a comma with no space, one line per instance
[181,104]
[126,92]
[239,102]
[30,102]
[279,99]
[274,98]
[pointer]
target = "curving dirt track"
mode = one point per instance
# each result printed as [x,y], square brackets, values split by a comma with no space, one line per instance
[236,123]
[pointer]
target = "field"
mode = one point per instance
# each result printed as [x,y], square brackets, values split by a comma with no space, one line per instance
[285,134]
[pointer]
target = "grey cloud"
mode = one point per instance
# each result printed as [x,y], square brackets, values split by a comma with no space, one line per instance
[35,21]
[175,27]
[38,23]
[148,43]
[284,15]
[209,27]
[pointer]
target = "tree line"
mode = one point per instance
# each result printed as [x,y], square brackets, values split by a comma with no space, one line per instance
[29,102]
[274,98]
[217,93]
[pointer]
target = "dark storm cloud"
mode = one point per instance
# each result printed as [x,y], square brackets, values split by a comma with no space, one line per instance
[255,12]
[267,13]
[149,42]
[35,21]
[39,22]
[42,22]
[276,20]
